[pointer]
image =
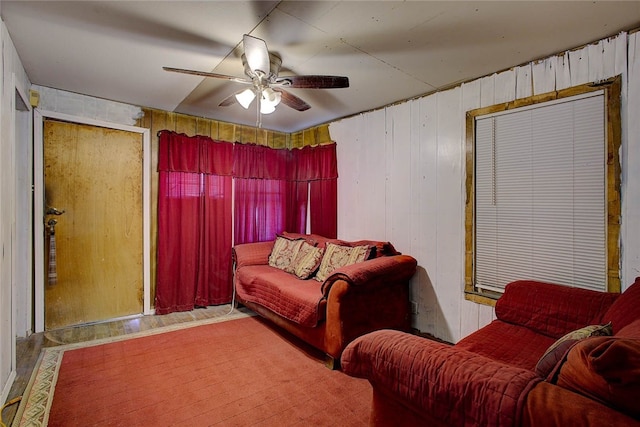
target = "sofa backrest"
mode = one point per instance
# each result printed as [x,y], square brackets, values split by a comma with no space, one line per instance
[625,309]
[549,309]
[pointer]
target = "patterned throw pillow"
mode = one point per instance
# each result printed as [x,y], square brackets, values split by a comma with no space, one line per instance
[555,354]
[336,256]
[307,260]
[284,252]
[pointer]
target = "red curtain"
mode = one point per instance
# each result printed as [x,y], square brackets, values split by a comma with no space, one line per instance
[318,165]
[259,209]
[324,207]
[194,222]
[272,190]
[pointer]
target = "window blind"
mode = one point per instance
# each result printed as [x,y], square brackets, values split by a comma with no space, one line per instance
[540,194]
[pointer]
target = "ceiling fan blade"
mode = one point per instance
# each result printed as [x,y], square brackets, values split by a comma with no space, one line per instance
[257,54]
[229,100]
[290,100]
[313,82]
[206,74]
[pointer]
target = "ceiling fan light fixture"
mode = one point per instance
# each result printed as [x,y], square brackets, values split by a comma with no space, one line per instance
[269,99]
[267,108]
[245,98]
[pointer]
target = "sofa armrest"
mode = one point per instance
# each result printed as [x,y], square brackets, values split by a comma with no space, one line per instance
[373,272]
[553,406]
[549,309]
[365,297]
[450,384]
[252,253]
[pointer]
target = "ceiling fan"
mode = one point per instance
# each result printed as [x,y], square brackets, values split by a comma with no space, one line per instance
[262,68]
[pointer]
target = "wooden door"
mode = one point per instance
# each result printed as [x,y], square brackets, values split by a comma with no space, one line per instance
[94,174]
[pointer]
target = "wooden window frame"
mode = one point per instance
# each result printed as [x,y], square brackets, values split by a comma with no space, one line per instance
[612,93]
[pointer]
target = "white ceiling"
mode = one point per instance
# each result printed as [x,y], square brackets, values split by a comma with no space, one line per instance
[390,50]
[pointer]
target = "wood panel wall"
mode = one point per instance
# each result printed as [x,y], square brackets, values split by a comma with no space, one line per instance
[157,120]
[402,174]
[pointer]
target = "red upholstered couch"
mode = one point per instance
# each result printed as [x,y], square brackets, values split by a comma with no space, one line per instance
[502,375]
[352,301]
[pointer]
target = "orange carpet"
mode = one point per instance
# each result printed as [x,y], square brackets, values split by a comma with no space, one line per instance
[235,373]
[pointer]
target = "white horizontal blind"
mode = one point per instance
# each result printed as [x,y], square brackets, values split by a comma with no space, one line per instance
[540,195]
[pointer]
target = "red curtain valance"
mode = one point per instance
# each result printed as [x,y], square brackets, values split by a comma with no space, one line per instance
[178,152]
[260,162]
[200,154]
[305,164]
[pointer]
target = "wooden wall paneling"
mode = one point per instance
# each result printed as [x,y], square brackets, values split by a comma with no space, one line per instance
[425,226]
[362,177]
[227,132]
[214,132]
[596,65]
[631,173]
[399,184]
[246,134]
[203,127]
[322,135]
[450,223]
[279,140]
[524,82]
[371,163]
[620,57]
[505,83]
[161,120]
[488,90]
[544,75]
[579,66]
[350,213]
[145,120]
[296,140]
[264,137]
[185,124]
[563,71]
[308,138]
[469,314]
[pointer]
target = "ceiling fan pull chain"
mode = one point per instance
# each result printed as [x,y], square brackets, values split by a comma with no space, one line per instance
[258,112]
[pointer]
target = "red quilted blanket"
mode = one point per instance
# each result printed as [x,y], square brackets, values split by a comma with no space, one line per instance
[300,301]
[459,387]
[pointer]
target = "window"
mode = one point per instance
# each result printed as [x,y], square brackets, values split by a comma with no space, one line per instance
[543,191]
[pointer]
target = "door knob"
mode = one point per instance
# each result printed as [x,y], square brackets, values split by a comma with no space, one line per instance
[54,211]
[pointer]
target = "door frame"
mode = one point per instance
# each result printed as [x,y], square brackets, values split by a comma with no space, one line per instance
[38,204]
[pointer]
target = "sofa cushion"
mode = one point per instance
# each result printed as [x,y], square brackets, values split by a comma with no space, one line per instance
[606,369]
[507,343]
[555,353]
[284,252]
[625,309]
[553,310]
[336,256]
[307,261]
[300,301]
[632,330]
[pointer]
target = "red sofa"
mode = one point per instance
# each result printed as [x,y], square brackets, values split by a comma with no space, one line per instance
[503,375]
[352,301]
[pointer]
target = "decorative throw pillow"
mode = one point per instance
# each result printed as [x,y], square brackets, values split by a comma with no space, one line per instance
[336,256]
[556,352]
[606,369]
[284,252]
[307,260]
